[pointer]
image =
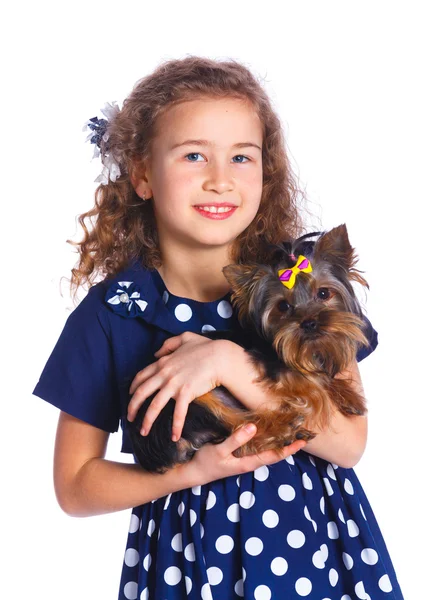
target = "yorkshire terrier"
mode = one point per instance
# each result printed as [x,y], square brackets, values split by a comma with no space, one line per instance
[302,324]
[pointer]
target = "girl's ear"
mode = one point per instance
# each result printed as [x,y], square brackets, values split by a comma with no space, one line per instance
[140,180]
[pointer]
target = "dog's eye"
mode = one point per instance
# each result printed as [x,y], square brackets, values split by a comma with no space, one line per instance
[323,294]
[283,306]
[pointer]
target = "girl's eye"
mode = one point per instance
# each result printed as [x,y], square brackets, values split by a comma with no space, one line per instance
[323,294]
[193,154]
[283,306]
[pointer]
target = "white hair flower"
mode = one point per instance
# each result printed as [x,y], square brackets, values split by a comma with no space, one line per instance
[99,131]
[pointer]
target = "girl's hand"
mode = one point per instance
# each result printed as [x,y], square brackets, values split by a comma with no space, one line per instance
[215,461]
[188,367]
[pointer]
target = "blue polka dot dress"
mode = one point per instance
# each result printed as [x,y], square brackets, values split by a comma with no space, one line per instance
[300,528]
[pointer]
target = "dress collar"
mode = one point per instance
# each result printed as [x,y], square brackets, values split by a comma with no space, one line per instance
[138,292]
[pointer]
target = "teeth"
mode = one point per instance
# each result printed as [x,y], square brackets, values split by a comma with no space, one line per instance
[215,209]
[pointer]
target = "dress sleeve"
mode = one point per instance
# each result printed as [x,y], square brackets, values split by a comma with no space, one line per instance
[79,376]
[371,335]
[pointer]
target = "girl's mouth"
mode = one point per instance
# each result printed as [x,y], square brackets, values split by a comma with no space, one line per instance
[217,213]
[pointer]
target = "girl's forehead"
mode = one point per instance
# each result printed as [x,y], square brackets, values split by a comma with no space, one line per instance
[210,119]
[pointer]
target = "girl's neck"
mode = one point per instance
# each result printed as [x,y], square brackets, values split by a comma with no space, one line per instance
[200,280]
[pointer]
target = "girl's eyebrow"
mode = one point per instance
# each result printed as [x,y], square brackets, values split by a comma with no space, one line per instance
[207,143]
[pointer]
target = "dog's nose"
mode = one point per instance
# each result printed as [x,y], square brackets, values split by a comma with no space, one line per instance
[309,325]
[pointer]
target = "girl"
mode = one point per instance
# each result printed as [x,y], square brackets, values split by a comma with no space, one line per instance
[196,177]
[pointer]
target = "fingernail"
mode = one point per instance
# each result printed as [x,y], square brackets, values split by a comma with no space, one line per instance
[174,438]
[143,431]
[250,428]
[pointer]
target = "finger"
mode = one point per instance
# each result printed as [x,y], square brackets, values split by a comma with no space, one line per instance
[180,412]
[144,391]
[238,438]
[169,345]
[141,376]
[158,403]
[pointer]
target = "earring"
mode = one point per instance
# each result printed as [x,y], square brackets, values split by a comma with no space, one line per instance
[144,196]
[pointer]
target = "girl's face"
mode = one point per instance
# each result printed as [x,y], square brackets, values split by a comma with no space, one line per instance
[206,151]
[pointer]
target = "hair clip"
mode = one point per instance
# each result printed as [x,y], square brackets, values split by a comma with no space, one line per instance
[288,276]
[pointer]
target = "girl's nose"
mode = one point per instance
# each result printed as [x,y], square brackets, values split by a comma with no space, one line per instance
[218,178]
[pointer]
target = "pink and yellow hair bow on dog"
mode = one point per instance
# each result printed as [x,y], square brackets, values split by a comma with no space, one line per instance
[288,276]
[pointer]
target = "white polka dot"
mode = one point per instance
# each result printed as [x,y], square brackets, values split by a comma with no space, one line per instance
[347,560]
[306,513]
[206,592]
[177,542]
[147,561]
[167,501]
[246,499]
[207,328]
[183,312]
[202,530]
[172,575]
[270,518]
[333,577]
[303,586]
[340,514]
[131,590]
[189,552]
[360,591]
[180,508]
[346,597]
[332,530]
[349,488]
[322,505]
[215,575]
[211,499]
[224,544]
[196,489]
[239,588]
[279,566]
[318,560]
[254,546]
[151,527]
[328,486]
[385,584]
[362,512]
[311,459]
[193,517]
[286,492]
[324,551]
[335,466]
[244,574]
[134,524]
[330,472]
[262,592]
[306,481]
[189,584]
[262,473]
[352,528]
[290,460]
[238,481]
[296,538]
[165,297]
[131,557]
[232,513]
[369,556]
[144,594]
[224,309]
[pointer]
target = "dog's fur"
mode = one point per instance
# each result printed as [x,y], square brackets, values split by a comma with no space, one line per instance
[298,339]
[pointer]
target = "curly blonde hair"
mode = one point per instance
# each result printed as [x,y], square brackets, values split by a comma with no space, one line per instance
[123,225]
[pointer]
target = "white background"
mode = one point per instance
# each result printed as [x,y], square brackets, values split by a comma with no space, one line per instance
[348,80]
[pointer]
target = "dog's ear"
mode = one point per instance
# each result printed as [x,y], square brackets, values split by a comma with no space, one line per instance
[334,247]
[244,280]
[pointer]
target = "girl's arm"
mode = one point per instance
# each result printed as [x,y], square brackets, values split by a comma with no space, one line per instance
[342,443]
[87,484]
